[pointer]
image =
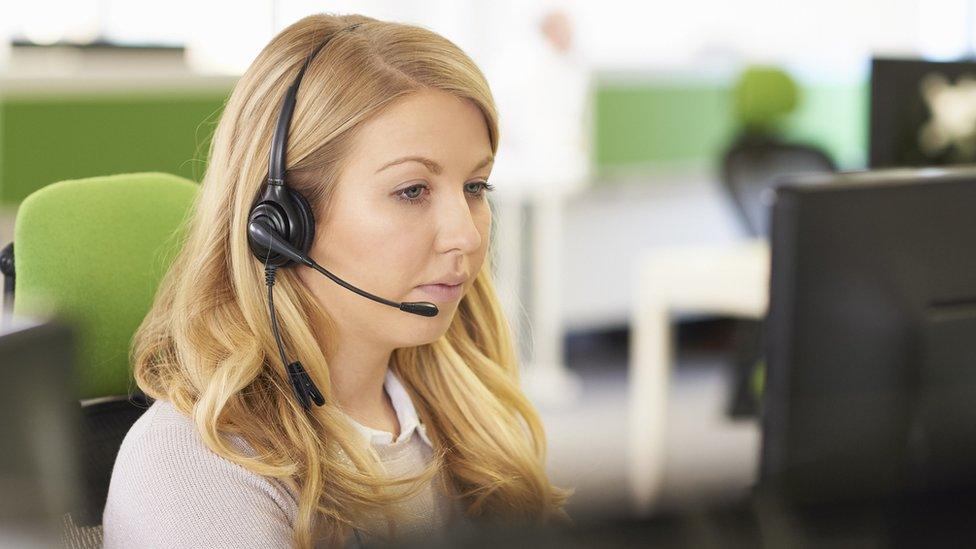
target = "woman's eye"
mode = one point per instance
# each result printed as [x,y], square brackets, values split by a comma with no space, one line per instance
[413,195]
[413,192]
[480,187]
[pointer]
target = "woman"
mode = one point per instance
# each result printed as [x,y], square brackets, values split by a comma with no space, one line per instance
[422,420]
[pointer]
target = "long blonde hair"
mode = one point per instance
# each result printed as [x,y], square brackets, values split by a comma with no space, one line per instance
[207,347]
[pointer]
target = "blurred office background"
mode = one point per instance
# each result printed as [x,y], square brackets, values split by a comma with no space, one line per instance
[668,90]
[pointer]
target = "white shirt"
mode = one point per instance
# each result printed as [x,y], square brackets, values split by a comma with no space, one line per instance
[405,412]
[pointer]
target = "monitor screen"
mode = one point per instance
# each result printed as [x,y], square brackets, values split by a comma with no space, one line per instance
[923,113]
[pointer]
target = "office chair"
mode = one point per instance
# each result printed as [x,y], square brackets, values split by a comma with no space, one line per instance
[762,98]
[92,252]
[751,168]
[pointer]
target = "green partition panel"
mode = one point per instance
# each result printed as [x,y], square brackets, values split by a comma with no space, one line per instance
[641,123]
[835,118]
[69,136]
[645,123]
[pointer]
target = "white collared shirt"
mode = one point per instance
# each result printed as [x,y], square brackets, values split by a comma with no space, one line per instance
[406,416]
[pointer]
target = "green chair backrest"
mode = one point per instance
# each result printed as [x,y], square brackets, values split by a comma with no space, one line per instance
[763,97]
[92,252]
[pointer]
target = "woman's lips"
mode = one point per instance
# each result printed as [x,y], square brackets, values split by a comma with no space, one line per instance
[442,292]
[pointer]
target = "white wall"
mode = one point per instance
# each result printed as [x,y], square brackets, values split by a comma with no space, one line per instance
[826,36]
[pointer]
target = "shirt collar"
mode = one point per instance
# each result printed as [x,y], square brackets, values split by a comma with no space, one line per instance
[406,416]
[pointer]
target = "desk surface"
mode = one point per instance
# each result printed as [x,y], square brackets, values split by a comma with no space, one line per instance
[723,280]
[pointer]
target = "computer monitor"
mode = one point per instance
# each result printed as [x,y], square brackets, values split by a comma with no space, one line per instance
[923,113]
[871,335]
[39,420]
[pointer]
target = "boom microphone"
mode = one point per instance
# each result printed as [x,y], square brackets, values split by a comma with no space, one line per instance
[263,235]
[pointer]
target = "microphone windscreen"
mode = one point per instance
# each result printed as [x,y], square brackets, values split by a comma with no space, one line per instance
[421,308]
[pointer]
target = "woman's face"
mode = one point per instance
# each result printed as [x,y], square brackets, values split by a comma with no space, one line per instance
[409,210]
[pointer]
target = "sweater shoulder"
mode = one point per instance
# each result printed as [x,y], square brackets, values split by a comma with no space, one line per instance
[163,437]
[169,488]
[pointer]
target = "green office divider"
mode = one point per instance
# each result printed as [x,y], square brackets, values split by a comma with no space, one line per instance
[834,118]
[645,122]
[53,138]
[642,123]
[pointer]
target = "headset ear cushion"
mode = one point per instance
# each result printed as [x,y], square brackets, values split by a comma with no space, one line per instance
[305,224]
[302,226]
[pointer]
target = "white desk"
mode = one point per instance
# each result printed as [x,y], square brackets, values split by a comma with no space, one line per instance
[726,280]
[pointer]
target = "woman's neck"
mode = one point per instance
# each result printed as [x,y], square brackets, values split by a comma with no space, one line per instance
[358,372]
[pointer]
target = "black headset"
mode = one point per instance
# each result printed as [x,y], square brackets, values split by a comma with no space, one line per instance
[280,230]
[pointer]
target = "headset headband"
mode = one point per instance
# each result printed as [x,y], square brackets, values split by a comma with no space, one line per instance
[276,164]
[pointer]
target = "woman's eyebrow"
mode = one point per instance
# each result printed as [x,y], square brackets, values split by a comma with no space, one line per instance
[431,164]
[488,160]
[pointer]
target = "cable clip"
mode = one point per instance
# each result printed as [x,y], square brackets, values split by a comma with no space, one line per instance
[304,388]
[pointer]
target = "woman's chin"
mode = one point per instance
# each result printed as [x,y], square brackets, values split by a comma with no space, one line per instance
[423,331]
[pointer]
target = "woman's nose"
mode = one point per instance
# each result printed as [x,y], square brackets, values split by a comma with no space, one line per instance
[458,226]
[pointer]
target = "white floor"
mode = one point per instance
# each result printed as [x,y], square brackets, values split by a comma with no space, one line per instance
[710,456]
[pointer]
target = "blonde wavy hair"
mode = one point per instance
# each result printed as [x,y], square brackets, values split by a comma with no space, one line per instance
[206,344]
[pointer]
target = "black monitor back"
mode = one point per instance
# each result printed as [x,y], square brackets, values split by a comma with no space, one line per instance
[902,94]
[871,335]
[39,420]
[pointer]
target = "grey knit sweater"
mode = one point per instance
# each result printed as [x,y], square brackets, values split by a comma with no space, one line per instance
[169,489]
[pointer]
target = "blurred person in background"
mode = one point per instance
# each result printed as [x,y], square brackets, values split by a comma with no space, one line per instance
[542,86]
[544,98]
